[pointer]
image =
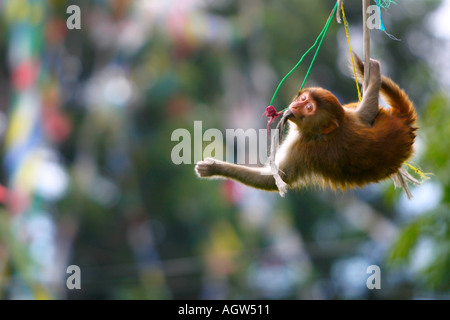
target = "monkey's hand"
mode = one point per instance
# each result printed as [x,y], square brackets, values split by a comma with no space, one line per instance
[375,74]
[208,167]
[368,109]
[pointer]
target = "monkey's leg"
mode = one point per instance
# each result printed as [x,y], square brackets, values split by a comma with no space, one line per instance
[368,109]
[369,106]
[391,92]
[260,178]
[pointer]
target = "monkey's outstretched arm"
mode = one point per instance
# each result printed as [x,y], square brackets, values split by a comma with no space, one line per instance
[367,110]
[260,178]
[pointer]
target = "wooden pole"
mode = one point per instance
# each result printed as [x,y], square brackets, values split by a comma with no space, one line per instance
[366,36]
[338,11]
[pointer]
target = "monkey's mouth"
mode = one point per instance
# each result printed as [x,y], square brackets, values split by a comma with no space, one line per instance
[282,123]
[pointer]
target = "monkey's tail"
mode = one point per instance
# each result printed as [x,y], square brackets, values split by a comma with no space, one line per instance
[391,93]
[398,100]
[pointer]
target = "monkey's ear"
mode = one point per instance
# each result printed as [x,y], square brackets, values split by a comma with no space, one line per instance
[333,124]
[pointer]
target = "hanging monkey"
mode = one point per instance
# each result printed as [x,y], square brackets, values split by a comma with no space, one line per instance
[330,145]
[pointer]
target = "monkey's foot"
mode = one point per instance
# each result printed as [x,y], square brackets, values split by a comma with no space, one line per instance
[207,167]
[375,69]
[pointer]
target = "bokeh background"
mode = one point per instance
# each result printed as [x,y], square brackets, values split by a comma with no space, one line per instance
[86,119]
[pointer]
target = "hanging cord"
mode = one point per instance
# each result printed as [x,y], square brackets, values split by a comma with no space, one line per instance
[270,110]
[351,52]
[385,4]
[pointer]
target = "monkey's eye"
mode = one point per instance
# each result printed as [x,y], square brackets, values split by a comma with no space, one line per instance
[303,97]
[309,107]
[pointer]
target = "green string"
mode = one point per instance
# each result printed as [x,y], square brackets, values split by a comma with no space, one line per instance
[320,37]
[385,3]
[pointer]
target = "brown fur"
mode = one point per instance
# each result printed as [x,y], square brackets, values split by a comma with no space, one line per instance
[354,155]
[367,143]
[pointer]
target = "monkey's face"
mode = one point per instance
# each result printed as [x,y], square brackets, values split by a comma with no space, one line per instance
[315,111]
[305,112]
[303,105]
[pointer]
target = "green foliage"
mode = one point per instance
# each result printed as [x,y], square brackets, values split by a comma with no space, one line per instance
[436,120]
[401,250]
[433,226]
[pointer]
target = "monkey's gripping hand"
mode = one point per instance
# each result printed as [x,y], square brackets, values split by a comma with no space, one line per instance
[368,108]
[208,167]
